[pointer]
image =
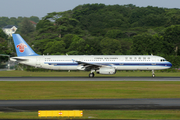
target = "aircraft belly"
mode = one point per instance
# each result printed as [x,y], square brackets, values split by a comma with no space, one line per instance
[68,68]
[141,67]
[51,67]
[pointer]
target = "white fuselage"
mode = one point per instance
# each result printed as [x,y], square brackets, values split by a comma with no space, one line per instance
[119,62]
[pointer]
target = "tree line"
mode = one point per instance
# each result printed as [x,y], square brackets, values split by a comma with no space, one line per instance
[16,21]
[98,29]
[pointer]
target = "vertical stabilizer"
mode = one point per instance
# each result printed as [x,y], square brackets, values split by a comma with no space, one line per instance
[22,48]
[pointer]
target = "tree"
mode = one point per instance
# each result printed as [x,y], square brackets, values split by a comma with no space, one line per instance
[3,46]
[174,20]
[68,40]
[39,45]
[126,45]
[26,26]
[63,23]
[62,26]
[77,44]
[145,44]
[34,18]
[110,46]
[139,14]
[92,45]
[152,20]
[172,36]
[86,9]
[3,35]
[55,47]
[46,30]
[12,21]
[3,21]
[115,34]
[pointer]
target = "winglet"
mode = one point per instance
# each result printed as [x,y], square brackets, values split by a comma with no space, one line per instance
[73,60]
[22,48]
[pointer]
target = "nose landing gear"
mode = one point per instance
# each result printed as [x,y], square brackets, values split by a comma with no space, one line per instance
[153,74]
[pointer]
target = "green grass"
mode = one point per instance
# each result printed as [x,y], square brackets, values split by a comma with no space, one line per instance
[133,114]
[85,74]
[88,90]
[104,114]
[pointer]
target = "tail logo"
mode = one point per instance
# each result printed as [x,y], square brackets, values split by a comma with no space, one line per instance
[21,47]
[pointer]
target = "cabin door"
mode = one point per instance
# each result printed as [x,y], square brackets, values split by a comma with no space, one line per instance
[38,64]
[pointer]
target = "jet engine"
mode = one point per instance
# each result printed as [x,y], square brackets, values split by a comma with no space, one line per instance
[106,70]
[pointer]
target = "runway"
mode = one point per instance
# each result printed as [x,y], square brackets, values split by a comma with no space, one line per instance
[89,104]
[89,79]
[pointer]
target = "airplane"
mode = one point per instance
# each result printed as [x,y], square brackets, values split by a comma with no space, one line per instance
[101,64]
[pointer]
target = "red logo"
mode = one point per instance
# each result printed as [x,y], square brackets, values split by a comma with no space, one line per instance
[21,47]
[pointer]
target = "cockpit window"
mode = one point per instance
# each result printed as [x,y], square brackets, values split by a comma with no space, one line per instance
[163,60]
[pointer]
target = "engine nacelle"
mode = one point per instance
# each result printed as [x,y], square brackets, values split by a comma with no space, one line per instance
[81,67]
[106,70]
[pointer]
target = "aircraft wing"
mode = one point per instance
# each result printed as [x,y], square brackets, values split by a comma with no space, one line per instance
[91,65]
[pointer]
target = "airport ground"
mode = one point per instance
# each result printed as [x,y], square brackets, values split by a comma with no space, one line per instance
[13,90]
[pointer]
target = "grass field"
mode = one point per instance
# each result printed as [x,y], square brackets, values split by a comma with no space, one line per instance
[104,114]
[88,90]
[85,74]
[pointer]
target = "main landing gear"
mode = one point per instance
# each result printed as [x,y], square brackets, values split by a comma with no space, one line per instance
[91,75]
[153,74]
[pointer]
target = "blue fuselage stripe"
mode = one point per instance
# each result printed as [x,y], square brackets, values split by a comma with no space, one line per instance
[115,64]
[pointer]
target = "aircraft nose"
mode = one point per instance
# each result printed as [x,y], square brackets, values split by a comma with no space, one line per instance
[170,64]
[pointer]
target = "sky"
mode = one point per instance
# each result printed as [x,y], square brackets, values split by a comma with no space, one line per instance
[40,8]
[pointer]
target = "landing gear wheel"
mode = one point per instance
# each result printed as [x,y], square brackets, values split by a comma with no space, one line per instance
[153,75]
[91,75]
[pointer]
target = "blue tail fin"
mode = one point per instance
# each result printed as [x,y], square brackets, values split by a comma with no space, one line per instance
[22,48]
